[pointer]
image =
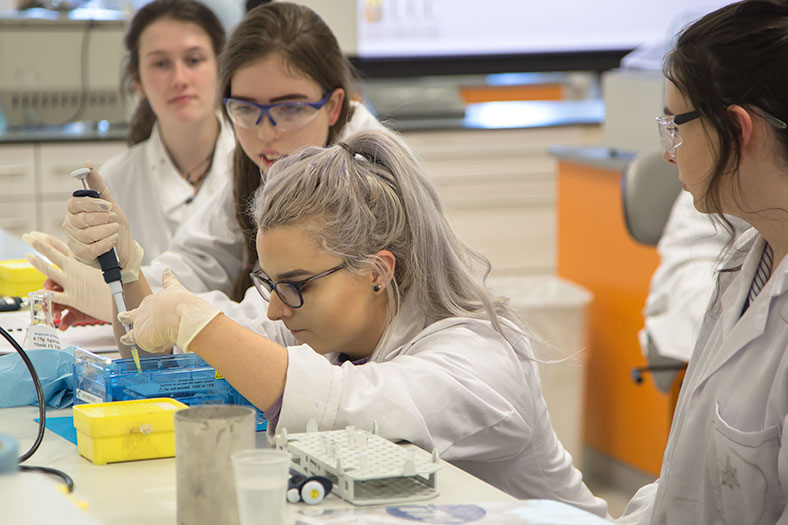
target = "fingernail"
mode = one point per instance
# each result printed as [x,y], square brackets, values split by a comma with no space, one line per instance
[105,206]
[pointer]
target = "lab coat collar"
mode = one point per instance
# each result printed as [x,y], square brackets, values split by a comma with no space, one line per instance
[738,331]
[408,322]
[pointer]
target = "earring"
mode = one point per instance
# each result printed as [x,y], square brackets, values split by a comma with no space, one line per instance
[376,288]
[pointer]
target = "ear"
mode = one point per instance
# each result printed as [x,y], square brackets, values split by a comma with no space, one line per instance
[743,121]
[334,105]
[390,262]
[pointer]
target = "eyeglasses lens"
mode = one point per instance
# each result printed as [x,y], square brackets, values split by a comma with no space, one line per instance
[288,117]
[289,295]
[668,135]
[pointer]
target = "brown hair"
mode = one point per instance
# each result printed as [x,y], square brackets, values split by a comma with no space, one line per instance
[308,46]
[142,120]
[735,55]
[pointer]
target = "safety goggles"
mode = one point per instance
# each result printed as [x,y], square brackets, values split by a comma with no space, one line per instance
[290,292]
[669,130]
[285,116]
[669,127]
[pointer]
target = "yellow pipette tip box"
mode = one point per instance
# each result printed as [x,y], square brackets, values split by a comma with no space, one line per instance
[126,430]
[18,278]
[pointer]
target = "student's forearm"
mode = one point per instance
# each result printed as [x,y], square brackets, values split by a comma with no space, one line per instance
[253,364]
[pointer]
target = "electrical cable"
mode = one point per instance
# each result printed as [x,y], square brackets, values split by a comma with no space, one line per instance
[51,471]
[84,69]
[42,414]
[39,392]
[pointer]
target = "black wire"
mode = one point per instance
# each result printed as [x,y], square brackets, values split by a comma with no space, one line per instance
[53,471]
[42,415]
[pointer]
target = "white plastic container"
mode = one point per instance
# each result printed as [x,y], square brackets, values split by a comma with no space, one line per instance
[556,309]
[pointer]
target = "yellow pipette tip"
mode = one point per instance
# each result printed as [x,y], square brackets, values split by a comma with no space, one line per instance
[136,356]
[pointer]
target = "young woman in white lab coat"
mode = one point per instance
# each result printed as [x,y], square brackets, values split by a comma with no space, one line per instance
[180,146]
[725,127]
[279,53]
[376,312]
[281,56]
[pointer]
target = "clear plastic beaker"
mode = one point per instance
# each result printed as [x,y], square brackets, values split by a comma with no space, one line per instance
[41,333]
[41,308]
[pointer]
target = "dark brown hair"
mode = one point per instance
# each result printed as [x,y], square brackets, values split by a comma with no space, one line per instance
[308,46]
[142,120]
[735,55]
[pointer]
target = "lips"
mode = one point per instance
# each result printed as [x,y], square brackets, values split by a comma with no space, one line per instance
[181,99]
[268,158]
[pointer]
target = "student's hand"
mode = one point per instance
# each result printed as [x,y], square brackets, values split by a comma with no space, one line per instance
[172,316]
[66,316]
[94,226]
[75,286]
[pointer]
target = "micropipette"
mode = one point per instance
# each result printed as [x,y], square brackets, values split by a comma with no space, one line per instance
[110,267]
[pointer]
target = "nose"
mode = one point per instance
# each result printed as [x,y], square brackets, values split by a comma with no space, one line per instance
[277,310]
[179,73]
[266,129]
[667,158]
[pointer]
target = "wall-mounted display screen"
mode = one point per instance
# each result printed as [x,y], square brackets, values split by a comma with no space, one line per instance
[464,31]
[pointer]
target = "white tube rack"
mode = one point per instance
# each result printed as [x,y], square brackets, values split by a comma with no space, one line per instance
[366,469]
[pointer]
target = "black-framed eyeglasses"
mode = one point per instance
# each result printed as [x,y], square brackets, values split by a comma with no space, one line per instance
[290,292]
[285,116]
[669,130]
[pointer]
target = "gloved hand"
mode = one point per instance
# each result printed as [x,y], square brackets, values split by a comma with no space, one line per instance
[172,316]
[83,288]
[94,226]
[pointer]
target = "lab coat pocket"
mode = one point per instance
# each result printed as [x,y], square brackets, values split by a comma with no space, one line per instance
[742,471]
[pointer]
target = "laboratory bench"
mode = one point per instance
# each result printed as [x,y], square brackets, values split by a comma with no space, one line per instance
[137,492]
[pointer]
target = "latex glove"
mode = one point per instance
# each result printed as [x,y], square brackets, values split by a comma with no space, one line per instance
[94,226]
[80,286]
[173,316]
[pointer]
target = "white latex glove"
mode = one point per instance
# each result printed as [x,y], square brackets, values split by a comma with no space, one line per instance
[172,316]
[94,226]
[83,287]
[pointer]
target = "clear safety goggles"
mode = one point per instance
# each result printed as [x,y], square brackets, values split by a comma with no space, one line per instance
[669,130]
[669,126]
[285,116]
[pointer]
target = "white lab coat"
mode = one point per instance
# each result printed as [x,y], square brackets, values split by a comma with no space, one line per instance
[724,462]
[690,251]
[156,199]
[456,386]
[207,252]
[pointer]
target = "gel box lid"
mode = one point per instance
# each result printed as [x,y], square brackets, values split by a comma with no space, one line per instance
[127,417]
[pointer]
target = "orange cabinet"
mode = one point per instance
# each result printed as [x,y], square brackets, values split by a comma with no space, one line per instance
[623,420]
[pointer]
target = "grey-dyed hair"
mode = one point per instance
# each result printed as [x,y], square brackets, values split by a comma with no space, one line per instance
[370,193]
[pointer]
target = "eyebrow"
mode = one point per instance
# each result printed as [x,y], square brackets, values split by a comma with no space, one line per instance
[667,111]
[288,97]
[185,51]
[290,275]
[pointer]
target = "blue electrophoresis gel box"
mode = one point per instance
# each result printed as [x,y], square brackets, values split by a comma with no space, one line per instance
[185,377]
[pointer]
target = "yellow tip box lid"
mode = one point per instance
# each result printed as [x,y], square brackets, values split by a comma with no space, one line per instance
[126,430]
[18,277]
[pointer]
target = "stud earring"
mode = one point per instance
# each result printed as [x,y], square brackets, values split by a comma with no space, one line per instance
[376,288]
